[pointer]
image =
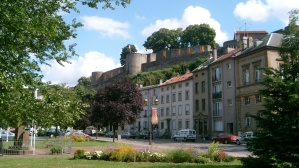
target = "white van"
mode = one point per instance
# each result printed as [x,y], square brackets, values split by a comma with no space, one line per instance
[244,138]
[185,135]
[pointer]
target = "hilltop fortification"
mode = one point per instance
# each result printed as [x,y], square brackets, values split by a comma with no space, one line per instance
[137,62]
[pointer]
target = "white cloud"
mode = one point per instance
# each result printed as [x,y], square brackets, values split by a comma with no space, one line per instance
[261,11]
[192,15]
[83,66]
[106,26]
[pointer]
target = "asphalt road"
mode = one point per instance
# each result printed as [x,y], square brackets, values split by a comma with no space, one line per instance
[231,149]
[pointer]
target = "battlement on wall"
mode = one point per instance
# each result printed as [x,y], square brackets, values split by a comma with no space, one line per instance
[137,62]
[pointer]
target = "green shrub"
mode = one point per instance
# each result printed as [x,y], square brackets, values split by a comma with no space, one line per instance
[257,162]
[79,154]
[180,156]
[202,159]
[213,150]
[56,150]
[229,159]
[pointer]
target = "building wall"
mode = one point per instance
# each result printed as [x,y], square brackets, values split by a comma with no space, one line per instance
[247,92]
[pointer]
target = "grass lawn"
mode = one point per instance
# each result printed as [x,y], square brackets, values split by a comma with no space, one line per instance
[72,163]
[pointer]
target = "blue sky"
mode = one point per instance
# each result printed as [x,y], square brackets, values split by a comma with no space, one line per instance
[106,32]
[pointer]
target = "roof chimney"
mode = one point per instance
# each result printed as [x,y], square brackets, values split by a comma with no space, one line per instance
[244,42]
[215,54]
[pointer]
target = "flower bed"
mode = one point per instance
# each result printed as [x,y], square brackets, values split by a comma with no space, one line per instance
[125,153]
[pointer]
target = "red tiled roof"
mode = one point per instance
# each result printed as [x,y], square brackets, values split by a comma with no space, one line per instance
[178,79]
[229,54]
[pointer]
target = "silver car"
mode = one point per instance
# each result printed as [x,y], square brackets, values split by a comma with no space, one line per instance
[7,135]
[243,139]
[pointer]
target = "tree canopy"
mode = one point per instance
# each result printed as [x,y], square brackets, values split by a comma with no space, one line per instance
[125,51]
[163,39]
[85,92]
[31,34]
[196,34]
[276,141]
[117,104]
[193,35]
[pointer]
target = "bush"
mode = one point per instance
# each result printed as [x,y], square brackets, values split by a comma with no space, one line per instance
[180,156]
[124,154]
[78,138]
[249,162]
[79,154]
[56,150]
[202,159]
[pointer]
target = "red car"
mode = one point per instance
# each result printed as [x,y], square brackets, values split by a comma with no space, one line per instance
[225,138]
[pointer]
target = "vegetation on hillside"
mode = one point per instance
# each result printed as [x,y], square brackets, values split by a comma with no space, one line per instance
[154,77]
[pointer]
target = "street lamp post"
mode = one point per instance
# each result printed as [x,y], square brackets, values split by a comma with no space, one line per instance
[154,117]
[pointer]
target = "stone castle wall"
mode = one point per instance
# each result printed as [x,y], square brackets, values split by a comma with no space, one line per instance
[136,63]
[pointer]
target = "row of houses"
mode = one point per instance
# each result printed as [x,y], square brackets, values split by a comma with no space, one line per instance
[219,95]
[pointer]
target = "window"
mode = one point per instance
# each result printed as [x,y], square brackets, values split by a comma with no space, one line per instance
[187,108]
[173,111]
[196,105]
[167,111]
[258,98]
[180,85]
[246,76]
[196,87]
[216,76]
[229,83]
[217,111]
[145,113]
[187,124]
[173,87]
[217,91]
[187,84]
[145,125]
[180,96]
[230,102]
[162,124]
[187,95]
[257,73]
[218,125]
[248,121]
[180,110]
[162,89]
[180,125]
[203,86]
[167,88]
[162,112]
[203,104]
[162,99]
[167,98]
[228,66]
[173,124]
[247,100]
[173,97]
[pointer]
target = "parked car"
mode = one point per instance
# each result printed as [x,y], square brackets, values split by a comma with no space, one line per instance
[7,135]
[185,135]
[143,135]
[244,138]
[127,135]
[225,138]
[110,134]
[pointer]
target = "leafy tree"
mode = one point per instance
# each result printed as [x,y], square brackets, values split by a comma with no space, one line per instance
[33,33]
[117,104]
[276,140]
[196,34]
[163,39]
[125,51]
[85,92]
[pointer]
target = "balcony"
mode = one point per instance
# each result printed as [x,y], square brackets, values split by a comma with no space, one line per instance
[217,95]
